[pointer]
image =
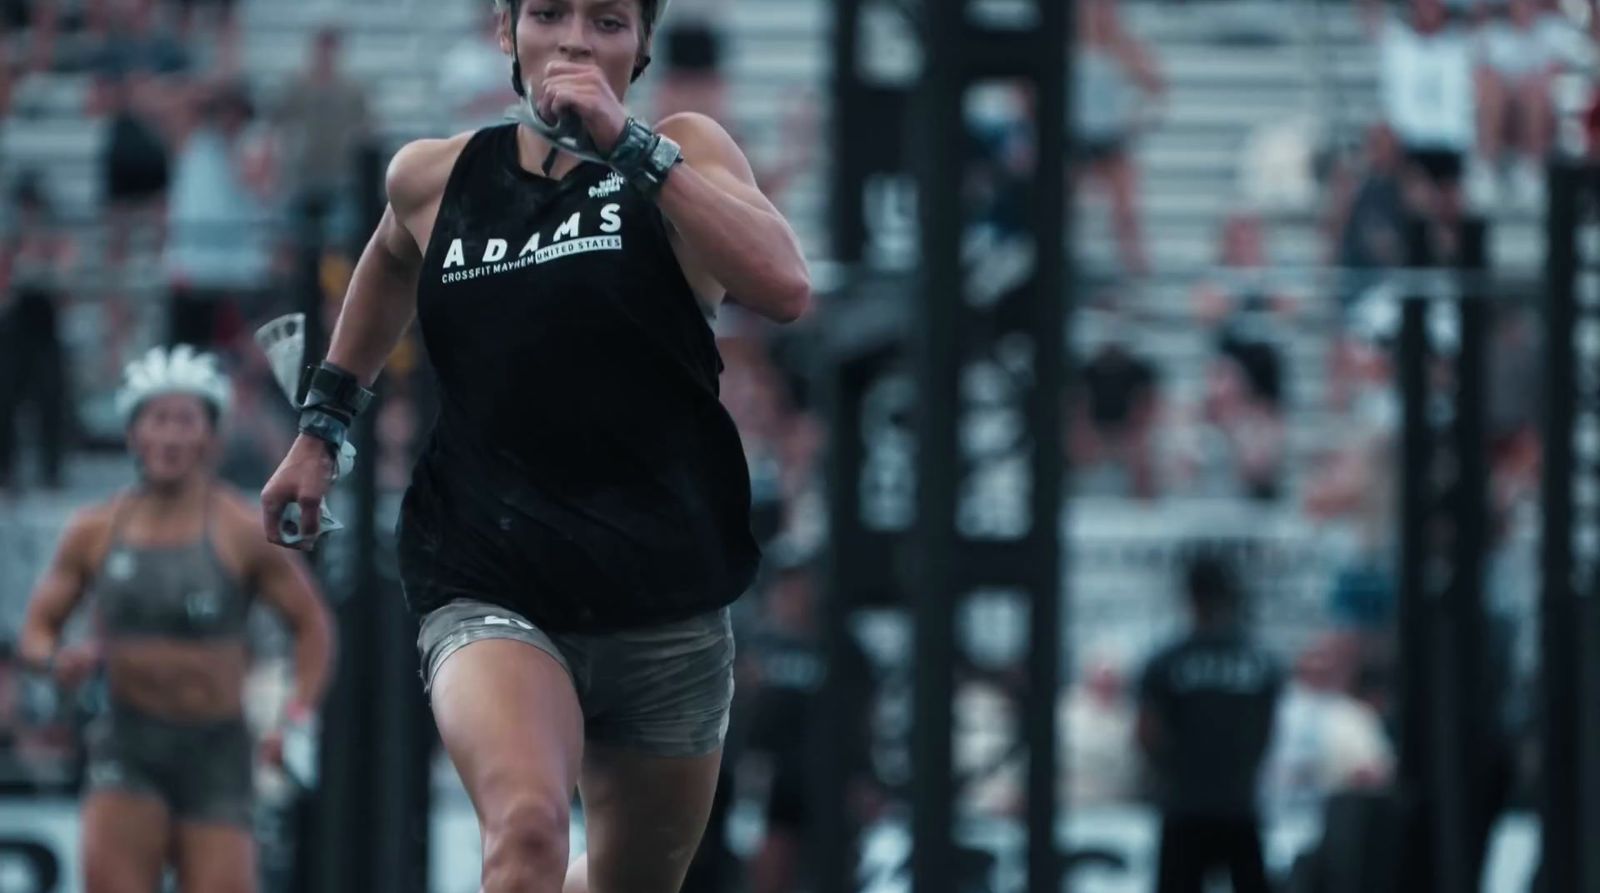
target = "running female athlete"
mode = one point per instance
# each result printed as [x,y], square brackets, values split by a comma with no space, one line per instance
[579,519]
[171,567]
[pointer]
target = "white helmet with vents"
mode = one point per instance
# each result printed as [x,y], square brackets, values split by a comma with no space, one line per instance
[180,370]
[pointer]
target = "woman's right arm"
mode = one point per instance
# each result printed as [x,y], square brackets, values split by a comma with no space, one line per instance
[382,299]
[377,310]
[59,591]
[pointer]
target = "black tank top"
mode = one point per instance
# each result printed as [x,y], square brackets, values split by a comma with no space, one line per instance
[582,470]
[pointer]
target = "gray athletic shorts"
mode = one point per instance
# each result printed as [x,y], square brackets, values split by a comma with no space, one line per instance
[201,771]
[664,690]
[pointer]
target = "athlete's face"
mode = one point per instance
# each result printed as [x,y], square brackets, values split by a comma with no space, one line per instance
[172,437]
[606,33]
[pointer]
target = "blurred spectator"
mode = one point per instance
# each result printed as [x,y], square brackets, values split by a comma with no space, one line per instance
[1516,110]
[803,528]
[1277,166]
[1325,740]
[757,398]
[1249,337]
[137,162]
[35,259]
[40,21]
[1366,224]
[1095,718]
[691,54]
[692,79]
[1516,375]
[218,19]
[1114,74]
[1237,444]
[1242,440]
[1242,410]
[475,77]
[1242,305]
[1353,488]
[322,121]
[135,43]
[785,668]
[1206,707]
[221,225]
[1427,93]
[1116,415]
[141,83]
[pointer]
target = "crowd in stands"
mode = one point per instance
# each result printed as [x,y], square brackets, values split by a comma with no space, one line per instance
[1473,101]
[203,178]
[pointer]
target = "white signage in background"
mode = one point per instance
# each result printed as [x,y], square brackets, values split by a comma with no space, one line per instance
[890,52]
[38,838]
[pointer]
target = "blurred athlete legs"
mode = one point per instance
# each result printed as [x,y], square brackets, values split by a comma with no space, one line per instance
[126,837]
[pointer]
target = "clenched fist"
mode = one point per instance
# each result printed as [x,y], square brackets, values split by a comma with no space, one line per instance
[303,478]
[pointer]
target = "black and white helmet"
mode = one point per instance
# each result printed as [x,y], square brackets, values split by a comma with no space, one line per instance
[180,370]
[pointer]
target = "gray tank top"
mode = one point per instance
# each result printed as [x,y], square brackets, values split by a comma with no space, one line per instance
[180,592]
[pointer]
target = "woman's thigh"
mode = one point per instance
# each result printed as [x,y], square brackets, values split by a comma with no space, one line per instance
[509,718]
[126,836]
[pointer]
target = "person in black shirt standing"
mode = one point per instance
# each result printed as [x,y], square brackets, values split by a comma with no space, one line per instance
[1206,708]
[34,262]
[578,521]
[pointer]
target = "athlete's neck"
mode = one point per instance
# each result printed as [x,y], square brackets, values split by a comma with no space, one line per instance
[533,149]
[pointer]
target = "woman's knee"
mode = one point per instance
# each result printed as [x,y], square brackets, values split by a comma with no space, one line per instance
[525,844]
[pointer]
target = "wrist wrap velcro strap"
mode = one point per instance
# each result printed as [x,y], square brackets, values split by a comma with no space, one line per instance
[639,158]
[334,391]
[632,151]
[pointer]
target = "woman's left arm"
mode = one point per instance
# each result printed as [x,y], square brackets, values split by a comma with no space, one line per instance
[726,233]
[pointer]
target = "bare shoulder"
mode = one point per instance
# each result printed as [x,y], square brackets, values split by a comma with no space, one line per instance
[697,133]
[419,171]
[87,533]
[707,145]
